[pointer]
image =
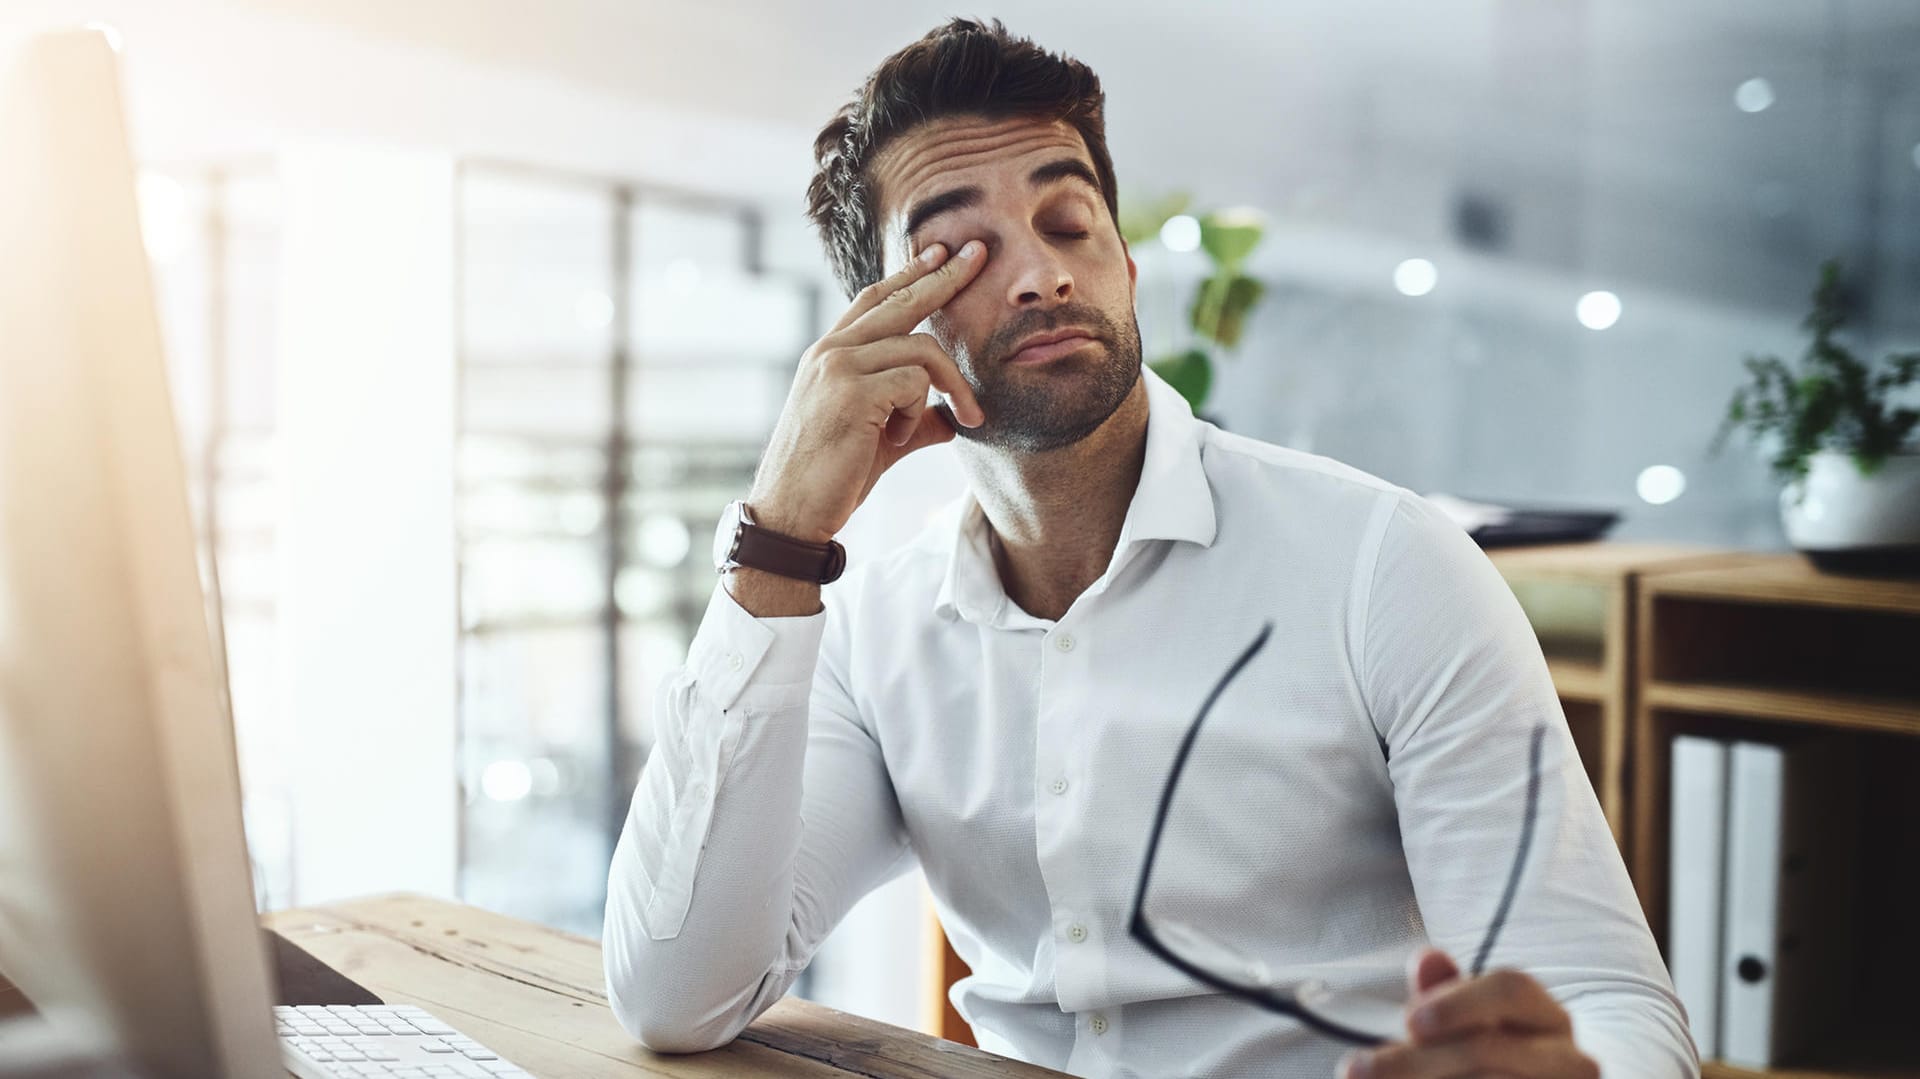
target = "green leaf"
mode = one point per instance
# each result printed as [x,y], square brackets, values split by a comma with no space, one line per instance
[1140,221]
[1220,310]
[1229,236]
[1190,372]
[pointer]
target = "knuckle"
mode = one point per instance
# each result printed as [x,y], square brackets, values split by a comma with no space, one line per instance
[1510,985]
[925,346]
[901,297]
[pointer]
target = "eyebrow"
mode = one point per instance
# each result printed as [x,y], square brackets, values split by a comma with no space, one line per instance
[961,198]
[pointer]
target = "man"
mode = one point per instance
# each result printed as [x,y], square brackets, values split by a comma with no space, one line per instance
[1002,700]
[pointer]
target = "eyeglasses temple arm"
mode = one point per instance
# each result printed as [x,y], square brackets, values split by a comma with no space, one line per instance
[1180,763]
[1520,857]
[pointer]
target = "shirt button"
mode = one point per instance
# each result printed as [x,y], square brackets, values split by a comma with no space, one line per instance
[1098,1024]
[1058,786]
[1076,933]
[735,661]
[1064,642]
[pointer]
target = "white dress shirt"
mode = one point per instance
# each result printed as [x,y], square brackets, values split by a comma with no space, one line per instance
[1357,793]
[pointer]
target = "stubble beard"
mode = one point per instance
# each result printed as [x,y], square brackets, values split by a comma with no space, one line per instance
[1032,410]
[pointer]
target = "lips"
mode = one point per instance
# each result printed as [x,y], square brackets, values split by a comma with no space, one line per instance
[1043,347]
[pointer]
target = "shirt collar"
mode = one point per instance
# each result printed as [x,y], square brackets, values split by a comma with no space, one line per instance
[1173,501]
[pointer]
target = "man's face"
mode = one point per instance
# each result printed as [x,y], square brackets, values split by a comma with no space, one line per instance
[1055,263]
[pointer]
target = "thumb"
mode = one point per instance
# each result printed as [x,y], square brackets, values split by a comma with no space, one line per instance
[1429,969]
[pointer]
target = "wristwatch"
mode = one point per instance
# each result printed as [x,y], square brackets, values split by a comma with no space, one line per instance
[740,542]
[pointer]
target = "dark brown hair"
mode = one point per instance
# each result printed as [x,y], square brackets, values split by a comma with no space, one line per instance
[963,68]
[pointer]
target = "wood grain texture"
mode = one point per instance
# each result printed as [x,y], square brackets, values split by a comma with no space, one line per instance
[948,968]
[1857,711]
[1578,681]
[1791,579]
[537,996]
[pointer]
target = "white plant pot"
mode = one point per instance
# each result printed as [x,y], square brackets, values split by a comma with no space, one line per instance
[1851,523]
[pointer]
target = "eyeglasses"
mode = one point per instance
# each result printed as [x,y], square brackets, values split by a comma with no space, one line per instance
[1367,1014]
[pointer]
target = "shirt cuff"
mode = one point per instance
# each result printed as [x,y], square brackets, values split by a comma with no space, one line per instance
[733,651]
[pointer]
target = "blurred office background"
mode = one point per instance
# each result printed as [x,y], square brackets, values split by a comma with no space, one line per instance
[480,313]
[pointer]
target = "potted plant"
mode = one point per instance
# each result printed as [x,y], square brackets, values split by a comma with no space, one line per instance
[1225,300]
[1843,449]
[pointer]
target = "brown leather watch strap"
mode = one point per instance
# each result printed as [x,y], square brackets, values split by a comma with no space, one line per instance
[758,548]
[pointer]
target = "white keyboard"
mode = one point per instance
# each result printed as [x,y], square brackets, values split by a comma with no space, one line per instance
[384,1041]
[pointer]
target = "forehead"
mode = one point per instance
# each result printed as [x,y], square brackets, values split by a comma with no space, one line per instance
[966,150]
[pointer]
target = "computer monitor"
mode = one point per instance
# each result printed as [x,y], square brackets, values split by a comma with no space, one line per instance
[126,906]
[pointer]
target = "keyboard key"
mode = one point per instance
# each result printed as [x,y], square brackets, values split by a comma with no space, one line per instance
[385,1042]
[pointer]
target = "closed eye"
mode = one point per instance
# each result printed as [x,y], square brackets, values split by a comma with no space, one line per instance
[1073,235]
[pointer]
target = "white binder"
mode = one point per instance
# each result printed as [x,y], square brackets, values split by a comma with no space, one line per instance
[1696,873]
[1791,822]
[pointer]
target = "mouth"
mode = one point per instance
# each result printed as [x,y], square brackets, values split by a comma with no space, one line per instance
[1045,347]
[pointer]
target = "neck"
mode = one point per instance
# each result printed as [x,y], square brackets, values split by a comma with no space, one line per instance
[1056,515]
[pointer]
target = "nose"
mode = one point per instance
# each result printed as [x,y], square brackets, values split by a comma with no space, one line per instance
[1040,278]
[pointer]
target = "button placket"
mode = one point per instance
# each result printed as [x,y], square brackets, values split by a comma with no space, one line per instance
[1063,698]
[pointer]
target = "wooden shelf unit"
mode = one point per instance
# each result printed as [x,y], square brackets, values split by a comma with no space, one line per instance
[1771,648]
[1581,599]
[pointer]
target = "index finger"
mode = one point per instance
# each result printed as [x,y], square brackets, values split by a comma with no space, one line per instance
[1503,999]
[868,298]
[901,310]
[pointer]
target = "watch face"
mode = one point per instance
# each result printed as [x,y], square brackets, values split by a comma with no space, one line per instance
[723,537]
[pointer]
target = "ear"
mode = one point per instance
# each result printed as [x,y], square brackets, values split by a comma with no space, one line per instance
[1133,271]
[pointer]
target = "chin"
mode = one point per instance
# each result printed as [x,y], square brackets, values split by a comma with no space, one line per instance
[1062,404]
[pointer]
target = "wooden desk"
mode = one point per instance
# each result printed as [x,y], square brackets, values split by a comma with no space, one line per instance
[537,996]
